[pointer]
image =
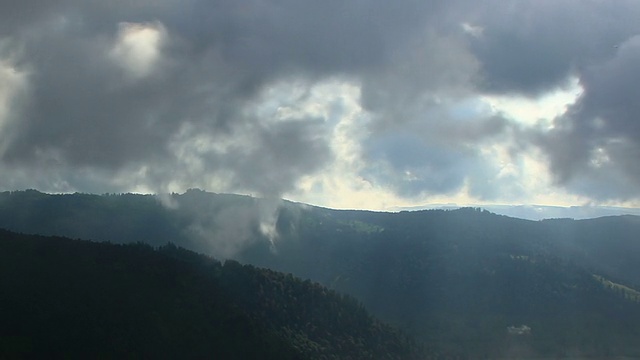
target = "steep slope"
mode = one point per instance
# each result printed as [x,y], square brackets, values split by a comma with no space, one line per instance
[71,298]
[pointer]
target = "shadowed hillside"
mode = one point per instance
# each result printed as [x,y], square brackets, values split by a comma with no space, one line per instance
[77,299]
[460,281]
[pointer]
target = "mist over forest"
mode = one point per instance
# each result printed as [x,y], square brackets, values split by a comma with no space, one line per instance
[462,283]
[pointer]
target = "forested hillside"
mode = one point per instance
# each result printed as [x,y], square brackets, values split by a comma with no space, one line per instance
[464,282]
[67,298]
[458,280]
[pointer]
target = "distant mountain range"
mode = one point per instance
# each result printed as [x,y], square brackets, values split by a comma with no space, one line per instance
[466,283]
[539,212]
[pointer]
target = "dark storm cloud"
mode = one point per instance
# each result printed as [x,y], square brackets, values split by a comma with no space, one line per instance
[529,47]
[329,36]
[18,14]
[162,94]
[87,110]
[594,148]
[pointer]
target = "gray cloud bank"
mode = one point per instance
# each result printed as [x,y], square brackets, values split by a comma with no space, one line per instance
[103,97]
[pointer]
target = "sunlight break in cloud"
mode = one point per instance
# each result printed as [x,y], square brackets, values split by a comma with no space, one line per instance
[367,104]
[536,111]
[13,84]
[137,48]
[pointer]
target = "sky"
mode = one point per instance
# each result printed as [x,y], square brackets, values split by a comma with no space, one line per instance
[363,104]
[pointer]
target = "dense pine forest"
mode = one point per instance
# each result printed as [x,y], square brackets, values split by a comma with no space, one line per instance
[461,284]
[67,298]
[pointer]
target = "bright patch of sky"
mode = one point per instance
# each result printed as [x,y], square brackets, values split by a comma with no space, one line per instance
[524,102]
[536,112]
[341,185]
[137,48]
[13,83]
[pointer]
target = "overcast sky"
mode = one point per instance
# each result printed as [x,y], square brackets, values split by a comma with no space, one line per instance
[350,104]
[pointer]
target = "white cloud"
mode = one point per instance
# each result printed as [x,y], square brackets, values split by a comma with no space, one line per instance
[416,102]
[138,46]
[536,111]
[513,176]
[473,30]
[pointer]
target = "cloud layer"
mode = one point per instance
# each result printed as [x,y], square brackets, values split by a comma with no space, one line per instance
[331,102]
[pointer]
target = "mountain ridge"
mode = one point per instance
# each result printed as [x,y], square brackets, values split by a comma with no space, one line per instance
[457,280]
